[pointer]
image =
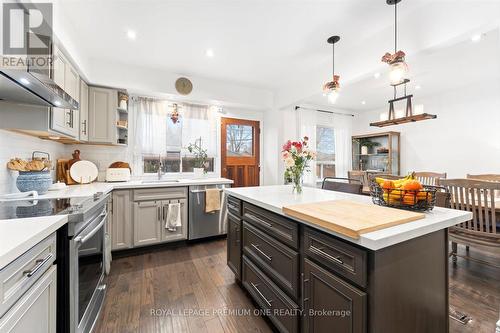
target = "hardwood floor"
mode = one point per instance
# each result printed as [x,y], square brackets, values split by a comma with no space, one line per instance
[149,292]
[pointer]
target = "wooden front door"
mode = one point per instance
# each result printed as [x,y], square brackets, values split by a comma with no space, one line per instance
[240,151]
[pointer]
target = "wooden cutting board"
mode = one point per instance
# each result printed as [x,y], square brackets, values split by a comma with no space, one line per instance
[350,218]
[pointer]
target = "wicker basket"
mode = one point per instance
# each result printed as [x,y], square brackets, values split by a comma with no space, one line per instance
[421,200]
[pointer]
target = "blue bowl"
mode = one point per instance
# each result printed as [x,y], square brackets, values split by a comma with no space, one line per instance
[39,181]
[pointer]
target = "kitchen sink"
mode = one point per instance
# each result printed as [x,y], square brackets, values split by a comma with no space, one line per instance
[157,181]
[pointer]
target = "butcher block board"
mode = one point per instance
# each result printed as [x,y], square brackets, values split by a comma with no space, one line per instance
[350,218]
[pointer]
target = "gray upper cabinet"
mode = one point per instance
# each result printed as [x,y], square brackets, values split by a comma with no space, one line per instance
[147,222]
[102,115]
[65,76]
[84,111]
[121,237]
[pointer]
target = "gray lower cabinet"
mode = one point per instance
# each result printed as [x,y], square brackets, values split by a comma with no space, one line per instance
[147,222]
[35,311]
[329,302]
[121,236]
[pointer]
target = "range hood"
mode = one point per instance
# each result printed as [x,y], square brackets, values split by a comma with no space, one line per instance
[31,88]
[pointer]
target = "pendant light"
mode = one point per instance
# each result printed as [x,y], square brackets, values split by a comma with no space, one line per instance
[331,88]
[398,75]
[398,71]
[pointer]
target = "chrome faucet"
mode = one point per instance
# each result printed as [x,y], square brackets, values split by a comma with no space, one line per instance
[160,172]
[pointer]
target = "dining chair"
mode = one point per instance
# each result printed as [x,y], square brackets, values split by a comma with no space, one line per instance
[483,230]
[490,177]
[357,175]
[429,178]
[339,184]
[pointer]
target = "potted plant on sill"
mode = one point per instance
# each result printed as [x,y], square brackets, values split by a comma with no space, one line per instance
[200,158]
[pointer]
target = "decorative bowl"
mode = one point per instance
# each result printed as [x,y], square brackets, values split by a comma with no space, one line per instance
[39,181]
[417,200]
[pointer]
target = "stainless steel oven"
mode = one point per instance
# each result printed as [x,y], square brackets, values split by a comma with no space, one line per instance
[86,273]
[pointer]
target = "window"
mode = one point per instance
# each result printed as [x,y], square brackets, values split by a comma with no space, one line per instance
[325,150]
[157,135]
[239,140]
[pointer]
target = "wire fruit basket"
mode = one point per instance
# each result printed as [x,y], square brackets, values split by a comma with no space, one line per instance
[416,200]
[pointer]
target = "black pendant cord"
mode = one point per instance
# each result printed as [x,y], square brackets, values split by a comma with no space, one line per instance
[395,27]
[333,59]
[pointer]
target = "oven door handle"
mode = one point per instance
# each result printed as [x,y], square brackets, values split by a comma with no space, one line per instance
[81,240]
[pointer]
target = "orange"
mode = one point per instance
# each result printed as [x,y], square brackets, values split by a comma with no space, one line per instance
[412,185]
[388,184]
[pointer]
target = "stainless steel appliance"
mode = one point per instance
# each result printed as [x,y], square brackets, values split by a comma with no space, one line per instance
[80,255]
[33,84]
[203,224]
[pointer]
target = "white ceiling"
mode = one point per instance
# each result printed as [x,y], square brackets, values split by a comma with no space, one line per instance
[279,45]
[255,42]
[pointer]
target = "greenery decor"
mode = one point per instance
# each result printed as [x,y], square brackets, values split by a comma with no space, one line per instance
[200,154]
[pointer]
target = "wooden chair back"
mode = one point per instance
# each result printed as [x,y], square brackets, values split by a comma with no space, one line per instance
[490,177]
[478,197]
[345,185]
[430,178]
[359,176]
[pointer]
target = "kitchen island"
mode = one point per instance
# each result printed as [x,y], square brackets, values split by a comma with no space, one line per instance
[308,278]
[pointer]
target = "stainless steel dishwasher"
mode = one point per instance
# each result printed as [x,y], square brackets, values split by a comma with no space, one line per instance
[203,224]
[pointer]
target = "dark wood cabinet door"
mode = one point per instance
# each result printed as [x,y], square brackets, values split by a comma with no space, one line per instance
[234,245]
[331,304]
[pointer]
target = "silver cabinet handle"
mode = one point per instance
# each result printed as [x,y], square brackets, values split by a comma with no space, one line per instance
[164,213]
[258,220]
[158,214]
[303,282]
[39,264]
[261,295]
[256,247]
[320,252]
[84,127]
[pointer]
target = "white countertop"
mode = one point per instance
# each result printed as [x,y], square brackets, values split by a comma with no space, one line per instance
[19,235]
[274,198]
[74,191]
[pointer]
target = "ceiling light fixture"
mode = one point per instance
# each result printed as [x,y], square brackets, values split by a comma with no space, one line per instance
[398,71]
[131,34]
[24,81]
[476,38]
[332,88]
[376,75]
[363,102]
[399,76]
[57,103]
[209,53]
[417,87]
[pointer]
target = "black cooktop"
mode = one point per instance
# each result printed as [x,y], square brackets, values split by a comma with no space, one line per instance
[34,208]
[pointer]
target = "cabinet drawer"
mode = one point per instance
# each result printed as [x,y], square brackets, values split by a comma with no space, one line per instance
[277,226]
[234,205]
[344,259]
[234,245]
[160,193]
[281,310]
[278,261]
[17,277]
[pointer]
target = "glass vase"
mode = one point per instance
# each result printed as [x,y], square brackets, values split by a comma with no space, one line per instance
[297,182]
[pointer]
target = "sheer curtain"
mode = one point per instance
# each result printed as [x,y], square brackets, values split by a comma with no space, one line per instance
[342,125]
[150,131]
[199,121]
[307,121]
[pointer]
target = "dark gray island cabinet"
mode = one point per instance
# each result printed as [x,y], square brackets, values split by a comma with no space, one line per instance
[307,280]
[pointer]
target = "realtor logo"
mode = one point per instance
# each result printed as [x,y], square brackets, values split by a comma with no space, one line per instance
[27,28]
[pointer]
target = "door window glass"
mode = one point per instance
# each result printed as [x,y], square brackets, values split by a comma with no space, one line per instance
[239,140]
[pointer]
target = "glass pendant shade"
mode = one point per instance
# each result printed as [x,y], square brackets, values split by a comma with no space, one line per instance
[398,72]
[332,96]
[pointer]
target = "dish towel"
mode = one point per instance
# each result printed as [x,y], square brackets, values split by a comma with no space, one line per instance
[212,200]
[173,216]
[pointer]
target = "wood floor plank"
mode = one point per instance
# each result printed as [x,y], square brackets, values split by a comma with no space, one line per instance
[172,280]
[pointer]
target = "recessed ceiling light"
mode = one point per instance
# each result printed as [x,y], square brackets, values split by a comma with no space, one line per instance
[131,34]
[476,38]
[57,103]
[376,75]
[209,53]
[363,102]
[417,87]
[24,81]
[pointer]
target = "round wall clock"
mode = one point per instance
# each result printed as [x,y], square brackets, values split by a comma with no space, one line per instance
[183,86]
